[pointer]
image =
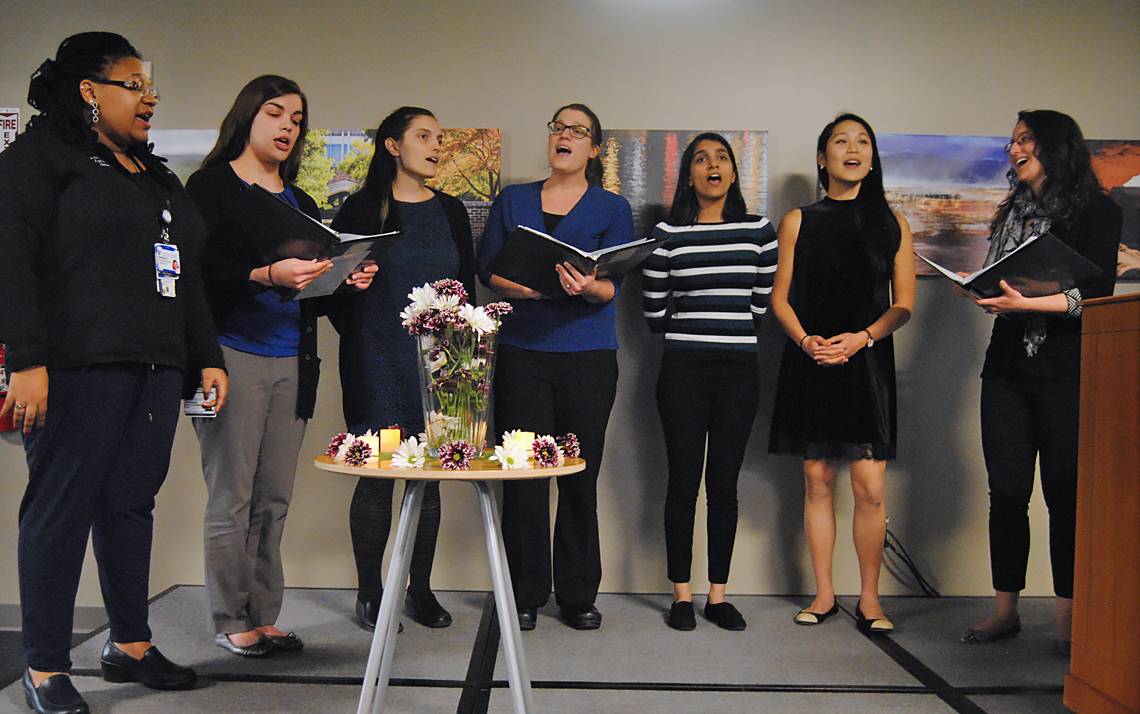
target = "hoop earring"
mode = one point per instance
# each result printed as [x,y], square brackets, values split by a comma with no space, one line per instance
[94,112]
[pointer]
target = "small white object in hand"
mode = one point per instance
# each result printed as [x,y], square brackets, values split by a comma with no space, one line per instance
[511,455]
[409,454]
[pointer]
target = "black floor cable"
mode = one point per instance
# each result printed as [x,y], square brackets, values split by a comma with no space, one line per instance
[893,547]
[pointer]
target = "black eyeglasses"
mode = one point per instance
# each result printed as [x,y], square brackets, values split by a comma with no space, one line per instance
[1021,141]
[135,85]
[576,130]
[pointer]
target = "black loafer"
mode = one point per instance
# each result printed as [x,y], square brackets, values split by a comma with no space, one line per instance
[153,670]
[426,610]
[725,616]
[261,648]
[289,642]
[682,616]
[366,614]
[582,619]
[528,618]
[55,695]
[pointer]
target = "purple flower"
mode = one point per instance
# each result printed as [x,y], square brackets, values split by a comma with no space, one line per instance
[358,453]
[451,287]
[570,445]
[456,455]
[334,444]
[546,452]
[497,309]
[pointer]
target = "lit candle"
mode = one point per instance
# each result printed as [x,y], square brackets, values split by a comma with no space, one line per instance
[389,440]
[526,441]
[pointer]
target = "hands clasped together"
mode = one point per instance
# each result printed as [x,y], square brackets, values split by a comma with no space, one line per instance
[834,351]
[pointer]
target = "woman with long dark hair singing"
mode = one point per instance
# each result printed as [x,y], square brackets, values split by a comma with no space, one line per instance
[706,289]
[844,284]
[1031,376]
[379,381]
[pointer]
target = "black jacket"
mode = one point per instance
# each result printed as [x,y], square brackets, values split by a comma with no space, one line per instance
[1095,235]
[228,259]
[77,280]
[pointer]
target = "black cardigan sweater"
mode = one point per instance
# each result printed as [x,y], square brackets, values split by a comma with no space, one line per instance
[1095,235]
[77,282]
[228,259]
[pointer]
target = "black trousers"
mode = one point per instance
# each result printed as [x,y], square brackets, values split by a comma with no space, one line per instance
[1023,419]
[699,397]
[555,393]
[370,520]
[93,468]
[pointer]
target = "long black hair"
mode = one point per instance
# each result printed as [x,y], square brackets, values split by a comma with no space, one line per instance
[878,226]
[377,188]
[1069,179]
[54,87]
[233,136]
[685,208]
[594,167]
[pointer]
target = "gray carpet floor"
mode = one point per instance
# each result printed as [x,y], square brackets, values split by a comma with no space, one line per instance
[634,663]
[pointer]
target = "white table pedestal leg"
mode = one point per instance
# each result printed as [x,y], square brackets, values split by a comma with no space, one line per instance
[517,673]
[379,667]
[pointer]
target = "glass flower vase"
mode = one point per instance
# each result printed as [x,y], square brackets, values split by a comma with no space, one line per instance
[456,367]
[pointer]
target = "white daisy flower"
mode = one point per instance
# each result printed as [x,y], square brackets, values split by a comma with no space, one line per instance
[409,454]
[511,456]
[477,318]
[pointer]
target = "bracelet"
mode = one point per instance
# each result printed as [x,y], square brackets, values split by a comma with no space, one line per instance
[269,272]
[870,338]
[806,335]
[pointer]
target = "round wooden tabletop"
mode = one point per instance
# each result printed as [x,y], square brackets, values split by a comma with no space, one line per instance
[481,470]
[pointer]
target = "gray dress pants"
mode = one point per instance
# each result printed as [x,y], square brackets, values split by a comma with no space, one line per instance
[249,460]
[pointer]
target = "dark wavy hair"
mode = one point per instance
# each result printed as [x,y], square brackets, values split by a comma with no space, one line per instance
[377,188]
[54,87]
[594,167]
[1069,179]
[686,209]
[233,136]
[876,222]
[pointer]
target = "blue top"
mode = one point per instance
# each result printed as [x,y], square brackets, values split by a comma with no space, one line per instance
[378,358]
[709,284]
[265,324]
[600,219]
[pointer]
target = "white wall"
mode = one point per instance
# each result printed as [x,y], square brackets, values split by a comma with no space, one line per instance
[925,67]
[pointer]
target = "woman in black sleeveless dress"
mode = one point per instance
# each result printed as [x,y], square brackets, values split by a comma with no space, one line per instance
[844,283]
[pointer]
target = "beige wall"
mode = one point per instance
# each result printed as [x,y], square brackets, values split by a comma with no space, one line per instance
[948,67]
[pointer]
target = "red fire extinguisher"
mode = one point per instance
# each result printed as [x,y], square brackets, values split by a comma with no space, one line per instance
[5,421]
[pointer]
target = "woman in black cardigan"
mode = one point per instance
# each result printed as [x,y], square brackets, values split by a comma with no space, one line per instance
[249,453]
[1031,377]
[379,382]
[81,302]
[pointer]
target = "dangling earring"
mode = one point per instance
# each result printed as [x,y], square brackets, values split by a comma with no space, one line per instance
[94,112]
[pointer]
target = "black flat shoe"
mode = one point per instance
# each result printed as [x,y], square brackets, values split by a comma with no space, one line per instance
[808,618]
[876,626]
[289,642]
[582,619]
[426,610]
[682,616]
[261,648]
[982,637]
[366,614]
[153,670]
[55,695]
[528,618]
[725,616]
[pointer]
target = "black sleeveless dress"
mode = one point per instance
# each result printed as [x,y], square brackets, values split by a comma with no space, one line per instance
[848,411]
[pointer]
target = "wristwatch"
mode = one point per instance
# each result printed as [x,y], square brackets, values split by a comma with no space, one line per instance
[870,338]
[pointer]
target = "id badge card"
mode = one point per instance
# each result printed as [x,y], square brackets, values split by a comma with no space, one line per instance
[167,263]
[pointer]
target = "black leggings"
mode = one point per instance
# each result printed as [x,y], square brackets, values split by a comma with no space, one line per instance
[1021,420]
[699,396]
[369,521]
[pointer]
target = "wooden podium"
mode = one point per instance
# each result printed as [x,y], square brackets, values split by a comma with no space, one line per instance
[1104,674]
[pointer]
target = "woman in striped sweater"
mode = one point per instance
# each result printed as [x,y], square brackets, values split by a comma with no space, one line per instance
[707,288]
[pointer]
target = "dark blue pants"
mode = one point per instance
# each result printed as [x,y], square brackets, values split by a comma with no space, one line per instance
[94,467]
